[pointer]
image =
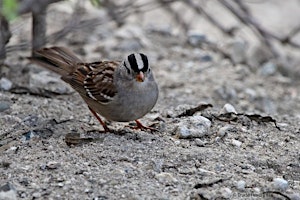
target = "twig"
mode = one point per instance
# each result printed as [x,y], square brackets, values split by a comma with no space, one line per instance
[249,21]
[212,20]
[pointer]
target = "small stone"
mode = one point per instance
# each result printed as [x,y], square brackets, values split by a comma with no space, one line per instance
[5,84]
[237,50]
[295,196]
[36,195]
[226,193]
[50,81]
[228,108]
[236,143]
[199,142]
[269,68]
[240,185]
[193,127]
[53,165]
[165,177]
[8,192]
[280,184]
[226,129]
[196,39]
[206,58]
[130,45]
[226,92]
[4,106]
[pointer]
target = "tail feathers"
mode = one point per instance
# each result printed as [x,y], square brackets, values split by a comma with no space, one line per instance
[57,59]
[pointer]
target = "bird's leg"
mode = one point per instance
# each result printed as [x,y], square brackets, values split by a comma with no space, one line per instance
[139,125]
[106,129]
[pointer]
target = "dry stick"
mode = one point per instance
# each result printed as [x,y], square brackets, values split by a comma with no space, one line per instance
[75,24]
[284,40]
[111,7]
[38,30]
[210,19]
[177,17]
[249,21]
[5,35]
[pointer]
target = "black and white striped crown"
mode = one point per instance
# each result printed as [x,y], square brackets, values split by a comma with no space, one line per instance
[138,62]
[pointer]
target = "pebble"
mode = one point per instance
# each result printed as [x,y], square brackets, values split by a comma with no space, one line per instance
[228,108]
[193,127]
[226,193]
[196,39]
[4,106]
[240,185]
[226,92]
[165,177]
[225,130]
[295,196]
[53,165]
[8,192]
[130,45]
[236,143]
[199,142]
[269,68]
[237,50]
[48,80]
[5,84]
[280,184]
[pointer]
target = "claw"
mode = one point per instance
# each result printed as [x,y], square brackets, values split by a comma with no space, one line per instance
[139,125]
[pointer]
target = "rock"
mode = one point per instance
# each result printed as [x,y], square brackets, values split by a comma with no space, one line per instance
[237,50]
[258,55]
[165,177]
[236,143]
[53,165]
[280,184]
[226,193]
[199,142]
[8,192]
[295,196]
[50,81]
[226,129]
[206,58]
[225,92]
[193,127]
[4,106]
[5,84]
[269,68]
[240,185]
[228,108]
[129,45]
[196,39]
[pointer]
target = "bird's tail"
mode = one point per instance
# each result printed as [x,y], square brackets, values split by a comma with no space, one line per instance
[57,59]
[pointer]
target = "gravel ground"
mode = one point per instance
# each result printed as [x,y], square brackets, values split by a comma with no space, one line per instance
[243,143]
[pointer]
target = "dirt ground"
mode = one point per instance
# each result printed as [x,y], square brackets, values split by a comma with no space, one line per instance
[191,157]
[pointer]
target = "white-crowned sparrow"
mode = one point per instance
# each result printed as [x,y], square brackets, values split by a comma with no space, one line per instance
[117,90]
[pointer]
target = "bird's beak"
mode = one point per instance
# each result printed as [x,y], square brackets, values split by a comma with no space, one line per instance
[140,77]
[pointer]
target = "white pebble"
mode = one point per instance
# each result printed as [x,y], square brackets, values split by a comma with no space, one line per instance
[5,84]
[236,143]
[280,184]
[228,108]
[193,127]
[240,185]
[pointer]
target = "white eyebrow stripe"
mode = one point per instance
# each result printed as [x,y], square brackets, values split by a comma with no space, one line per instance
[139,61]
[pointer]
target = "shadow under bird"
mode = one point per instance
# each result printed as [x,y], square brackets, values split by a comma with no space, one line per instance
[119,91]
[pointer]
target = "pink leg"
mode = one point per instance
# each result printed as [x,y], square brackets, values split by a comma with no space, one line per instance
[139,125]
[106,129]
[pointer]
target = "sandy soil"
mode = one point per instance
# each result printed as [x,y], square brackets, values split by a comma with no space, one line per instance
[241,158]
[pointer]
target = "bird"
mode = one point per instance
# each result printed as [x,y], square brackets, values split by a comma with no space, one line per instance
[120,91]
